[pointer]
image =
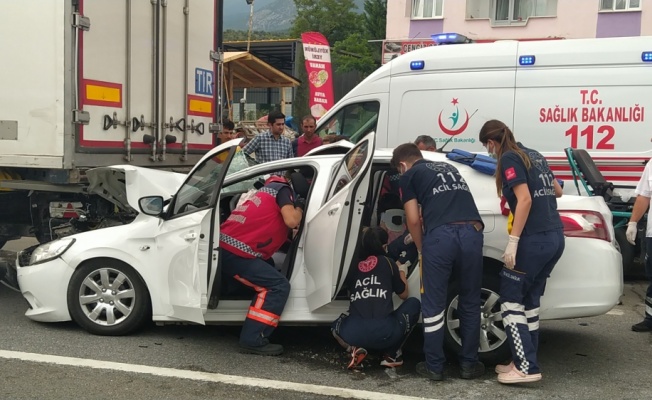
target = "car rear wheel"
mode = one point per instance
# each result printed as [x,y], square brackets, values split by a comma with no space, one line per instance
[494,348]
[107,297]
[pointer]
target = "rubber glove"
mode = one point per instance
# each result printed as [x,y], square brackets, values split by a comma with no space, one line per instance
[631,232]
[510,252]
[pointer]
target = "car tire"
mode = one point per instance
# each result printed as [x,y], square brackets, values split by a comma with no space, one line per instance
[494,347]
[103,309]
[2,243]
[627,251]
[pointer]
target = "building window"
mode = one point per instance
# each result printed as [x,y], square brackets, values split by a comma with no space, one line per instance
[620,5]
[510,12]
[427,9]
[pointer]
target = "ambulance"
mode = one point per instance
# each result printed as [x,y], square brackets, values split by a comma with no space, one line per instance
[593,94]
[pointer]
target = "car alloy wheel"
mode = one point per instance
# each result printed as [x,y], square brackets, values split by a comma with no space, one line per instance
[493,339]
[107,297]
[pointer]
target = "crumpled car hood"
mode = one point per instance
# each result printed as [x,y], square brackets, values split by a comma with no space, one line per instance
[123,185]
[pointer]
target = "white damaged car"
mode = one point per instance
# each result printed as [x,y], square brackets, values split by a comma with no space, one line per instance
[164,266]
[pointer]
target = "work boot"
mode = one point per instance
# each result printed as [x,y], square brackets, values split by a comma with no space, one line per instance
[472,371]
[357,355]
[643,326]
[422,369]
[268,349]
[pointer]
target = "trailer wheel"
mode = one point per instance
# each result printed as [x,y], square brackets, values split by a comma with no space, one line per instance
[107,297]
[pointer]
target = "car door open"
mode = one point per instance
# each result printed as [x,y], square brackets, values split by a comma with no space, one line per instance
[332,233]
[189,237]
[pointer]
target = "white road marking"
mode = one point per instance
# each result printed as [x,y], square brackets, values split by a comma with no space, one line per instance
[615,312]
[204,376]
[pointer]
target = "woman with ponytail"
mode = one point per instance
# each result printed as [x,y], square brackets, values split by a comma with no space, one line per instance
[536,242]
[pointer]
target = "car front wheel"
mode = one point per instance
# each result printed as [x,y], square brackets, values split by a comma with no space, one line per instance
[493,348]
[107,297]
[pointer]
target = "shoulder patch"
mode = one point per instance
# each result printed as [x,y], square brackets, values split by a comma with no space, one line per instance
[510,173]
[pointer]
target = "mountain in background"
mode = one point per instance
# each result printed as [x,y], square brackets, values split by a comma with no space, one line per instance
[269,15]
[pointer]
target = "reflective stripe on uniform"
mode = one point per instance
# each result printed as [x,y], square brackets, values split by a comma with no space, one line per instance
[262,292]
[507,306]
[231,241]
[437,319]
[263,316]
[532,319]
[532,313]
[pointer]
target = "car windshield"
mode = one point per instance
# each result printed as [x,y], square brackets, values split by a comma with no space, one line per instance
[198,190]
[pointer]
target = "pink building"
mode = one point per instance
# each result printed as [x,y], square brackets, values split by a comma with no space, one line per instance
[410,23]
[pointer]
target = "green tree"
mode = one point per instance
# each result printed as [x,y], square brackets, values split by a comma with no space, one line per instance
[375,23]
[335,19]
[354,54]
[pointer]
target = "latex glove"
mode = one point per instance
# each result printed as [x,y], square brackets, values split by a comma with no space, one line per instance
[631,232]
[404,268]
[408,239]
[510,252]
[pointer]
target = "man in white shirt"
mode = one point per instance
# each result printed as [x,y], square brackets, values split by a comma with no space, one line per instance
[641,206]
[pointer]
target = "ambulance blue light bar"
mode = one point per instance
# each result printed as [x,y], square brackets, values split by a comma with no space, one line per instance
[646,56]
[417,65]
[526,60]
[449,38]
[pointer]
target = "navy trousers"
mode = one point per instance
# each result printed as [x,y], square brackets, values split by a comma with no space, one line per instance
[520,294]
[385,334]
[272,291]
[648,275]
[447,249]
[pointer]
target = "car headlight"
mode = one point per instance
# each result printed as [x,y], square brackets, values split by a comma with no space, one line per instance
[50,251]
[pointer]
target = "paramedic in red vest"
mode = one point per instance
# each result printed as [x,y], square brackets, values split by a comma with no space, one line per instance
[254,231]
[308,141]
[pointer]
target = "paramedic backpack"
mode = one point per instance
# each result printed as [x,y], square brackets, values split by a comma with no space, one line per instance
[478,162]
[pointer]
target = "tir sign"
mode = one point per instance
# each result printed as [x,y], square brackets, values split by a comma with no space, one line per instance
[204,81]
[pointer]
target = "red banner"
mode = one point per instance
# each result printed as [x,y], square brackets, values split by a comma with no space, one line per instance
[318,66]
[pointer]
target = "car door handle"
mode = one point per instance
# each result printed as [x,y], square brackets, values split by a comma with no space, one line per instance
[190,237]
[333,209]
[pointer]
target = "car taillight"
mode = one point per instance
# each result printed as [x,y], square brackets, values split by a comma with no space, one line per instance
[587,224]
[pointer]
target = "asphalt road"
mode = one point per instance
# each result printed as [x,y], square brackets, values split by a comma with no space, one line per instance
[593,358]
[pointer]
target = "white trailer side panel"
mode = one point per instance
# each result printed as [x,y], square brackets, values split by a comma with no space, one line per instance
[32,83]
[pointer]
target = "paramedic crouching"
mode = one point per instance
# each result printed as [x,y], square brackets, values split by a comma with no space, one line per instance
[451,242]
[254,231]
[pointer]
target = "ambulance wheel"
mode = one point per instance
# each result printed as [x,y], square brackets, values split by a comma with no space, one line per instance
[494,348]
[107,297]
[627,251]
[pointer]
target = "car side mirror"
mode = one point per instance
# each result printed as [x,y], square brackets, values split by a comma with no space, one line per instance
[151,205]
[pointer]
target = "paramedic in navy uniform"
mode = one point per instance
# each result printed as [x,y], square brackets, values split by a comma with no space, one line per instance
[253,232]
[372,322]
[536,242]
[451,242]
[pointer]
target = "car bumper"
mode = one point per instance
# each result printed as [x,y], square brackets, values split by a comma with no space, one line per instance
[44,286]
[586,282]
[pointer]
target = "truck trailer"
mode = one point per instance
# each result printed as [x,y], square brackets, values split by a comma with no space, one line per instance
[91,83]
